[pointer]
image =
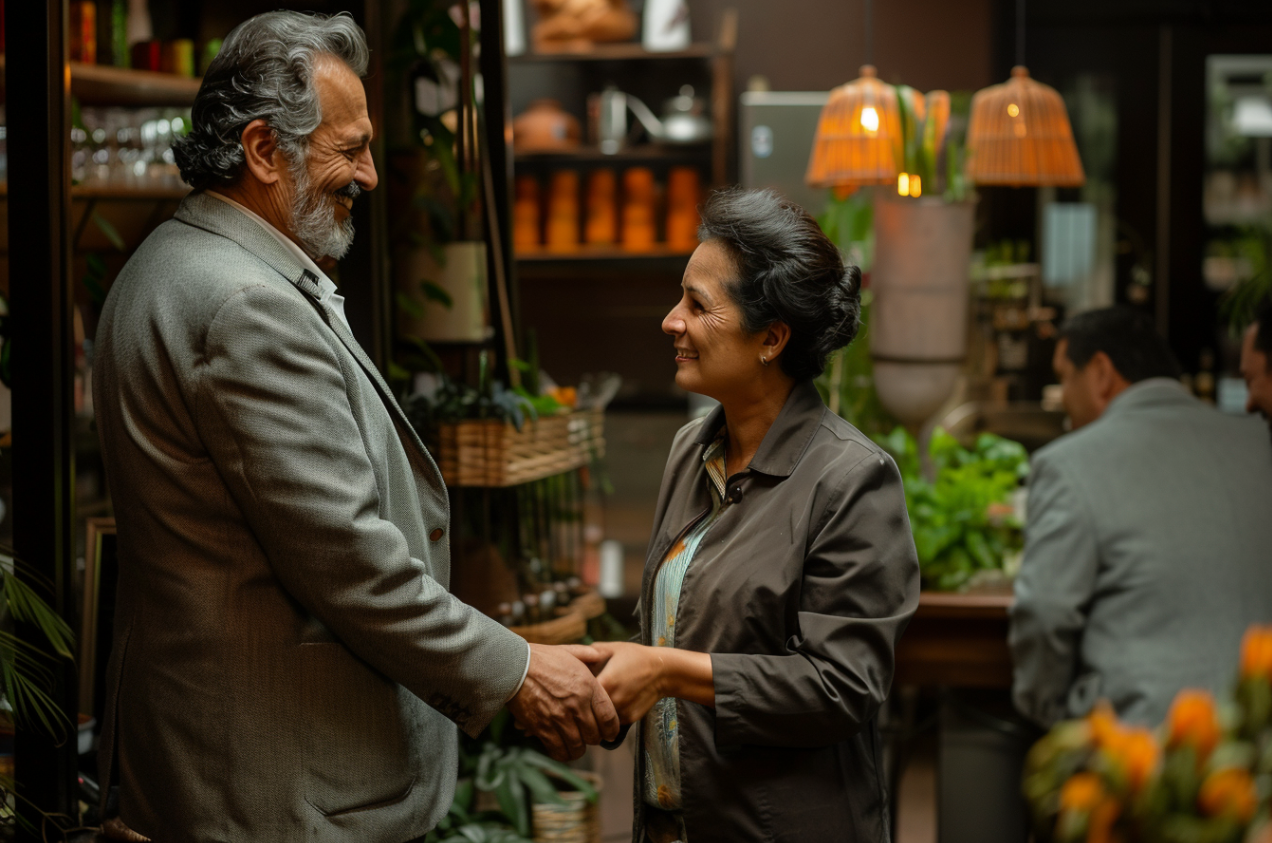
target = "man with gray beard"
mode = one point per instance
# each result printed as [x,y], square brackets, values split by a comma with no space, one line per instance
[288,663]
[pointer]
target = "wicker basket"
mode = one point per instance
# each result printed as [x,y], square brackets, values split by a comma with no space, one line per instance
[577,821]
[483,452]
[567,629]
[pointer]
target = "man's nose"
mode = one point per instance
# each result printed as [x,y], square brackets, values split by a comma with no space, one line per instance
[365,175]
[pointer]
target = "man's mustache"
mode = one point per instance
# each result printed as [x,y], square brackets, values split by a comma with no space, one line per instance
[350,190]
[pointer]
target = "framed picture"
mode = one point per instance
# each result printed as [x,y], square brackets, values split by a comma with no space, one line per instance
[101,580]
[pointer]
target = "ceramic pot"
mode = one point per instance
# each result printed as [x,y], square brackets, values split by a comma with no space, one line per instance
[918,323]
[545,127]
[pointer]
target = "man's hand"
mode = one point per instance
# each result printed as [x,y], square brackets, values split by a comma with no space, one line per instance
[562,703]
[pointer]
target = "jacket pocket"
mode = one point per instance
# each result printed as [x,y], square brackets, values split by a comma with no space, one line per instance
[332,813]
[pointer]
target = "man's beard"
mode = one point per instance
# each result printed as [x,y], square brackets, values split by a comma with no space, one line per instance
[314,218]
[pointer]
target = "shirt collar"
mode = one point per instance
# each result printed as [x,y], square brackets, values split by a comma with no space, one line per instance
[325,284]
[786,440]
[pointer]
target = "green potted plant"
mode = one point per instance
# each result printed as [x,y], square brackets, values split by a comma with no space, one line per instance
[439,257]
[966,527]
[520,778]
[25,677]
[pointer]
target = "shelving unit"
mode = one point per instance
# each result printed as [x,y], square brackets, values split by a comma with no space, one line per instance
[642,153]
[95,84]
[619,52]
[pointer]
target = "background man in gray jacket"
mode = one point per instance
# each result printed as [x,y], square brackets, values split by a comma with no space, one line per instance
[1148,538]
[288,663]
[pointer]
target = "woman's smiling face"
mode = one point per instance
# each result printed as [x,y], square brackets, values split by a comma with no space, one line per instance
[714,353]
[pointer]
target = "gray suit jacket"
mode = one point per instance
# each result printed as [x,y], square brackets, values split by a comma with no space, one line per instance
[287,658]
[1148,551]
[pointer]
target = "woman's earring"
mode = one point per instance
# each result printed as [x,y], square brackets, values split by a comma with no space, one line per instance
[764,360]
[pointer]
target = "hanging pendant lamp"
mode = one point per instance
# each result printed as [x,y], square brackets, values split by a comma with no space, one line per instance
[1019,133]
[859,133]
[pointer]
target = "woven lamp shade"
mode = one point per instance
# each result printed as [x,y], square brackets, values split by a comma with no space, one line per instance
[858,136]
[1019,135]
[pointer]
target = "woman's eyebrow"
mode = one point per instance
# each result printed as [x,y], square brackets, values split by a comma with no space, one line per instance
[690,288]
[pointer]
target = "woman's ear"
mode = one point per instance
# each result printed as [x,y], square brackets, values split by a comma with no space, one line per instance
[261,153]
[775,339]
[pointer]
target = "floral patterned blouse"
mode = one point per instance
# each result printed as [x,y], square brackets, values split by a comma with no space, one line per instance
[662,750]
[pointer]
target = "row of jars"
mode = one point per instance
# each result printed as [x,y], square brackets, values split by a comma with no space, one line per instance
[626,220]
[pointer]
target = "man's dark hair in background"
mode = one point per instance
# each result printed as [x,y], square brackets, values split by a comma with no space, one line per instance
[1127,336]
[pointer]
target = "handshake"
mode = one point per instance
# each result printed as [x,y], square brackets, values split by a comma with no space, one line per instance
[576,695]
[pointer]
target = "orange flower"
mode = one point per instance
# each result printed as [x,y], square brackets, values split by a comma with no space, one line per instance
[1105,729]
[1228,792]
[1256,653]
[1100,828]
[1081,793]
[1194,722]
[1139,756]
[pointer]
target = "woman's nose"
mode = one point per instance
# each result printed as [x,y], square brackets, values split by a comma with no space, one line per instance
[673,323]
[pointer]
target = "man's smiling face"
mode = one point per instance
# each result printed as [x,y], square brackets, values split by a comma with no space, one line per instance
[337,167]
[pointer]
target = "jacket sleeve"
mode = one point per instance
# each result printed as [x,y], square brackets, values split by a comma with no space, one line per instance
[1053,594]
[860,587]
[273,411]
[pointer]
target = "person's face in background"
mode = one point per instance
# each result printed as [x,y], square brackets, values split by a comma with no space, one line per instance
[1086,391]
[714,354]
[1258,378]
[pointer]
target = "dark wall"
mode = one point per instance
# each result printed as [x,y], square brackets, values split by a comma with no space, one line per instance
[1131,41]
[813,45]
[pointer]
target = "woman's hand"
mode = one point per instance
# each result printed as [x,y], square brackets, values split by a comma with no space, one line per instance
[632,675]
[636,676]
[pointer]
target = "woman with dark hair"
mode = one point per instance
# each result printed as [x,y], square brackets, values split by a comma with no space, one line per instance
[781,570]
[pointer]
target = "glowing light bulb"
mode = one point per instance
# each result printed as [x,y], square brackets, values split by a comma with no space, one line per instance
[1013,109]
[916,186]
[903,184]
[870,119]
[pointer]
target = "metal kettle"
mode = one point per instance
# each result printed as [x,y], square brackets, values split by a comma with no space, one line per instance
[684,119]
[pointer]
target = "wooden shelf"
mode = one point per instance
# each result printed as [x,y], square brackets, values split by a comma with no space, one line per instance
[616,52]
[650,153]
[97,84]
[124,194]
[601,253]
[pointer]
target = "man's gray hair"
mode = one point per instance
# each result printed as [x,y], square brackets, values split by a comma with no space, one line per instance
[265,71]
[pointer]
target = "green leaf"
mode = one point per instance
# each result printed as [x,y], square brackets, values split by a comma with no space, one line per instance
[433,292]
[512,801]
[410,306]
[538,784]
[109,230]
[556,768]
[397,373]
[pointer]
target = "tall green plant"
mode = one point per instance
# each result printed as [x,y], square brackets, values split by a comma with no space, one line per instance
[1239,304]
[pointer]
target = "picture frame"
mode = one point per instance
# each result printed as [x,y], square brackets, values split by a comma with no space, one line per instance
[101,578]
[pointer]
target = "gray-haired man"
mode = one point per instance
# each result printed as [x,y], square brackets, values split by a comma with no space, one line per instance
[287,661]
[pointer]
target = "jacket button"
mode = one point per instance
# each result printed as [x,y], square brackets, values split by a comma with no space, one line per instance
[436,534]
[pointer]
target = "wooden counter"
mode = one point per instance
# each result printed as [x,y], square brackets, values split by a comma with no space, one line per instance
[956,640]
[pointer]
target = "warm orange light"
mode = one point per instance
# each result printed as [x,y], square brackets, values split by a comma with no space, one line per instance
[916,186]
[1032,147]
[903,184]
[858,135]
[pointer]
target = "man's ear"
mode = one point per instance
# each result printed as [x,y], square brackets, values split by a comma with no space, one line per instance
[775,339]
[265,161]
[1108,381]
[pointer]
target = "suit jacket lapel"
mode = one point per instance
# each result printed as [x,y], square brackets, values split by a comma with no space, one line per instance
[211,214]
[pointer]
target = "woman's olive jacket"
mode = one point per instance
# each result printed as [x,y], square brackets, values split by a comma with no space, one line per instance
[799,591]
